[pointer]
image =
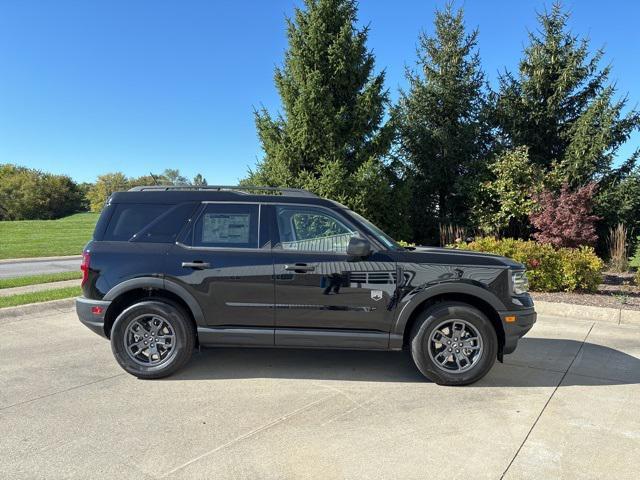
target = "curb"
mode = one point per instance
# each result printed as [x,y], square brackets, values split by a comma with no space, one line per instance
[40,259]
[29,308]
[616,316]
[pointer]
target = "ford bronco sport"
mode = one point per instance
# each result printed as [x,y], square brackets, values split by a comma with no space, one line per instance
[172,268]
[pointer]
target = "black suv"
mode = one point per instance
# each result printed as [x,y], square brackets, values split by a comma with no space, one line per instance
[170,268]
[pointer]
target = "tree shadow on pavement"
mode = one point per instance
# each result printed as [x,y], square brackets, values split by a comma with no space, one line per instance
[538,362]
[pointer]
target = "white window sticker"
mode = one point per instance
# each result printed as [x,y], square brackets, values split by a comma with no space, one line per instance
[225,228]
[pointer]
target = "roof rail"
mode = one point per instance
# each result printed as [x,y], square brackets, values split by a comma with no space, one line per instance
[243,190]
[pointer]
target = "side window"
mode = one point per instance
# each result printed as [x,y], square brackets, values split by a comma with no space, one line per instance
[129,218]
[166,227]
[313,230]
[227,226]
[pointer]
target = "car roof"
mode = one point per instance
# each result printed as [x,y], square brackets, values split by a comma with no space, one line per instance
[170,195]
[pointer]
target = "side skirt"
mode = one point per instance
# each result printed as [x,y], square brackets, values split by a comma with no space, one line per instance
[293,337]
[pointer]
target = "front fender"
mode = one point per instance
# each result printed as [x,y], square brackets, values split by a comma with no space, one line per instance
[419,295]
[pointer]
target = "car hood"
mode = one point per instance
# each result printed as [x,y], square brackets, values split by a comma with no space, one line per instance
[454,256]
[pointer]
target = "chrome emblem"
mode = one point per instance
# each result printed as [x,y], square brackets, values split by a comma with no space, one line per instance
[376,295]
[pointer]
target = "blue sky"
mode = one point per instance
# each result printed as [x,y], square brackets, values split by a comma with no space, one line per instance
[88,87]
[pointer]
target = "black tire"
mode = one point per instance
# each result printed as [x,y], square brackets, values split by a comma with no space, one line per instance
[177,323]
[438,316]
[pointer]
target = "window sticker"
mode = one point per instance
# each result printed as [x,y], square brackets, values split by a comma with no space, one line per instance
[225,228]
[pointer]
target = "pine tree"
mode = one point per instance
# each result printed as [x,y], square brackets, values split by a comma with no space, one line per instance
[441,127]
[562,106]
[331,128]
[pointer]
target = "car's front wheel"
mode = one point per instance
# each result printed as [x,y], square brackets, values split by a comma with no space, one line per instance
[453,344]
[152,339]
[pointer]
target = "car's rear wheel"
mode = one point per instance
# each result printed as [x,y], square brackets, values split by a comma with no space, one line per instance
[152,339]
[453,344]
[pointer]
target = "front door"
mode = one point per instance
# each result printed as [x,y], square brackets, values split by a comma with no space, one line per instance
[225,262]
[322,296]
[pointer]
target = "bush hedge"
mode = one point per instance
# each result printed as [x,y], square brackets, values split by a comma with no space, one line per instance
[549,269]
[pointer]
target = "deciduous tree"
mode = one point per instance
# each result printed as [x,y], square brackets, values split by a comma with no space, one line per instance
[565,219]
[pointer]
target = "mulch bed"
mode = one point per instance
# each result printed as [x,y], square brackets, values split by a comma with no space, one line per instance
[616,291]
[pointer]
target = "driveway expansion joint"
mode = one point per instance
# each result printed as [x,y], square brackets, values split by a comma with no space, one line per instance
[75,387]
[584,340]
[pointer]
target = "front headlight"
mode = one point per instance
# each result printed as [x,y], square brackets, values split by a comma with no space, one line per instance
[520,282]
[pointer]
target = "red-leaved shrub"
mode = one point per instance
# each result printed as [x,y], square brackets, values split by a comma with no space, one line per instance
[565,219]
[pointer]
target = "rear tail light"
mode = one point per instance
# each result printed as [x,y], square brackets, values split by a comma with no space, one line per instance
[84,267]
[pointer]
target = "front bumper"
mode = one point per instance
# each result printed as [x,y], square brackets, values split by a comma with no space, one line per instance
[514,330]
[91,314]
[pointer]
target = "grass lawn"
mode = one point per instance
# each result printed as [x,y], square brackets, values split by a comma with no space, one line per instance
[37,279]
[34,297]
[46,238]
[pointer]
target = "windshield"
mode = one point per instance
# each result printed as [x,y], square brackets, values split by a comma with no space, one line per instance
[382,237]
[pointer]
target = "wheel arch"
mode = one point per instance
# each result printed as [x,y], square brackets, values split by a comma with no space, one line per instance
[475,296]
[135,290]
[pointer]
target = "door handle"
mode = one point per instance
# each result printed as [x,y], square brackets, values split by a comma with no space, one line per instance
[196,264]
[300,268]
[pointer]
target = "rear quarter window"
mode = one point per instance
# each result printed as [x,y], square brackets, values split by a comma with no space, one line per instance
[167,227]
[130,218]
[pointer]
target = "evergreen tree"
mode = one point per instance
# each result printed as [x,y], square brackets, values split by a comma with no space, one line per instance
[441,127]
[562,106]
[331,133]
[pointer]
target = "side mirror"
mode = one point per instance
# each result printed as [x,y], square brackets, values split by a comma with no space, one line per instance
[358,247]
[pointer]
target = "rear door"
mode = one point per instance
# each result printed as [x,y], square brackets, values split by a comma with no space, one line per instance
[323,297]
[224,259]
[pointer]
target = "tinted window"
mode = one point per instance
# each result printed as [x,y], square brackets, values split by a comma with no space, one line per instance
[166,227]
[312,229]
[129,218]
[225,225]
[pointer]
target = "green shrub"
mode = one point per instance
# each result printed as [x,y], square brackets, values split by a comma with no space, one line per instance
[581,269]
[548,269]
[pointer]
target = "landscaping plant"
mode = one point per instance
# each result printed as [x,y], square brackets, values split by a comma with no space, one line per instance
[549,269]
[565,219]
[617,242]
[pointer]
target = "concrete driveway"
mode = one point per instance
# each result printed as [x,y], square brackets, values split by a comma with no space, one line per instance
[566,405]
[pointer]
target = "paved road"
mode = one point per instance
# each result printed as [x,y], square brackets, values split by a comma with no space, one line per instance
[564,406]
[21,268]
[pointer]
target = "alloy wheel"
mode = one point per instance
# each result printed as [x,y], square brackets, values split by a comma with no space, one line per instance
[455,346]
[150,340]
